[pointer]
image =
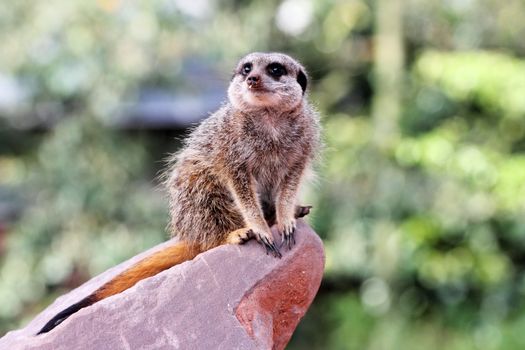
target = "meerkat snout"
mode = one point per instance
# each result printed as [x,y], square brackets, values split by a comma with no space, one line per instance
[267,80]
[253,81]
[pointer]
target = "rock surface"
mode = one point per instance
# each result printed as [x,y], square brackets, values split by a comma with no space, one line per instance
[231,297]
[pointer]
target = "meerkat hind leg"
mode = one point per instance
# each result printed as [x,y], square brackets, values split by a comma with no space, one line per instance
[239,236]
[244,234]
[302,211]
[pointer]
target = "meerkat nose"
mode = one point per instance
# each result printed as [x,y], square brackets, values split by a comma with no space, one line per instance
[253,81]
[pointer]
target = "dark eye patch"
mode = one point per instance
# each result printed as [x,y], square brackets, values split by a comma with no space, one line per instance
[246,68]
[276,70]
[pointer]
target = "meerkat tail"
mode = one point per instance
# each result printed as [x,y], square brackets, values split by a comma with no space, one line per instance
[62,315]
[148,267]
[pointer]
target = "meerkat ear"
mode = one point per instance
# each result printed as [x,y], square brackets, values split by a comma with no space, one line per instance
[302,80]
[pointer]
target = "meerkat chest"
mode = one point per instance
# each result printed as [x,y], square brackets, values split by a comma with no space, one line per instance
[271,148]
[270,164]
[268,172]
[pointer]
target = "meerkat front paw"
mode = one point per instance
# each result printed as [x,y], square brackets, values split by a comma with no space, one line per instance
[287,231]
[267,241]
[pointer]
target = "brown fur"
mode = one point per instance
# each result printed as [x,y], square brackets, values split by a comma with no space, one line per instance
[150,266]
[249,156]
[238,173]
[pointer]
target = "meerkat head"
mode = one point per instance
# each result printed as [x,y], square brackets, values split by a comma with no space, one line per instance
[267,80]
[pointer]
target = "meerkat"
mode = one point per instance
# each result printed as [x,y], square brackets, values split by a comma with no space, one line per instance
[237,174]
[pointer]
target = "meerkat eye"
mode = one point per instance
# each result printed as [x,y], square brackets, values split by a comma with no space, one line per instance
[246,68]
[276,70]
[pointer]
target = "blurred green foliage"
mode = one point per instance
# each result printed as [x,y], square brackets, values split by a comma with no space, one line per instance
[425,238]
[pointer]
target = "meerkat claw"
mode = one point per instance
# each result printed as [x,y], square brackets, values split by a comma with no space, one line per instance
[271,247]
[288,238]
[288,234]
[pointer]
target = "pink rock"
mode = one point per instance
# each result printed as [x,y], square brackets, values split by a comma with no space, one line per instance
[231,297]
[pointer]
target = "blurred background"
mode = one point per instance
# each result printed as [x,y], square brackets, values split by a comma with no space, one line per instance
[420,199]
